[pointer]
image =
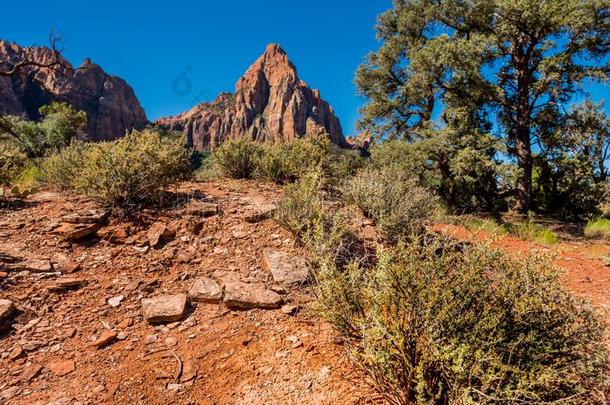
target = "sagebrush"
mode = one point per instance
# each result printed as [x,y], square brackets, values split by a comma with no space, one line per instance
[438,321]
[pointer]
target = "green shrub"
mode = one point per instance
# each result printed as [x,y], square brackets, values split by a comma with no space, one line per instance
[125,173]
[598,228]
[12,161]
[238,158]
[62,169]
[394,200]
[318,223]
[482,224]
[284,162]
[437,321]
[534,232]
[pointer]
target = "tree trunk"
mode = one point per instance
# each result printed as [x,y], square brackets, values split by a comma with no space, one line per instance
[525,163]
[521,130]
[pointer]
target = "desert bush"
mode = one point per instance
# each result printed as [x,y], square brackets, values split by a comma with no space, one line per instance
[238,158]
[285,162]
[11,162]
[393,199]
[317,222]
[438,321]
[598,228]
[62,169]
[125,173]
[532,231]
[482,224]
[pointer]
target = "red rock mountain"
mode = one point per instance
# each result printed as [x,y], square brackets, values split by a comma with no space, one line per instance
[269,103]
[110,103]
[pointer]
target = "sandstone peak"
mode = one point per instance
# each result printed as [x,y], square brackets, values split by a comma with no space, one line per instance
[269,103]
[110,103]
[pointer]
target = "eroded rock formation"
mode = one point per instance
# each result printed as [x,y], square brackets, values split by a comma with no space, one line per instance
[269,103]
[110,103]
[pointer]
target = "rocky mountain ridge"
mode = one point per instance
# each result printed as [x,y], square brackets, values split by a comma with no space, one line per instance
[110,103]
[270,103]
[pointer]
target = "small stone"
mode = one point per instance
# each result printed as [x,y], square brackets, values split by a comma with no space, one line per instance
[62,367]
[31,372]
[67,283]
[106,338]
[125,323]
[202,209]
[175,387]
[141,249]
[285,268]
[290,309]
[205,290]
[69,267]
[239,295]
[116,301]
[87,217]
[121,336]
[159,232]
[164,308]
[150,339]
[189,371]
[171,342]
[10,393]
[16,353]
[99,389]
[6,309]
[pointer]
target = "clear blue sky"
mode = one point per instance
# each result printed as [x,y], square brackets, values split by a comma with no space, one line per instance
[151,43]
[211,43]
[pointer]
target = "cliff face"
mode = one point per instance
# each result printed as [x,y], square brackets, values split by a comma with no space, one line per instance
[110,103]
[269,103]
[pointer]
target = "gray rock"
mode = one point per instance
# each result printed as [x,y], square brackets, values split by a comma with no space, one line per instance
[32,265]
[164,308]
[240,295]
[116,301]
[285,268]
[206,290]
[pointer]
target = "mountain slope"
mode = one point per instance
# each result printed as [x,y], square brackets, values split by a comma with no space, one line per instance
[110,103]
[269,103]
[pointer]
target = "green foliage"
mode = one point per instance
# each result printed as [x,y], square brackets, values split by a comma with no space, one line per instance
[437,321]
[530,230]
[125,173]
[11,162]
[482,224]
[319,223]
[284,162]
[394,200]
[59,126]
[63,169]
[448,70]
[238,158]
[598,228]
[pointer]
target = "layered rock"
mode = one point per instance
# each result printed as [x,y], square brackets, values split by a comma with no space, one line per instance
[110,103]
[269,103]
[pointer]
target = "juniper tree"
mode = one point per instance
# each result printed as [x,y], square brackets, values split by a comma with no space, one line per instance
[475,61]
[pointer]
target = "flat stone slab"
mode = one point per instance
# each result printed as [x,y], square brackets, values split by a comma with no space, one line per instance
[164,308]
[87,217]
[206,290]
[67,283]
[239,295]
[258,209]
[286,269]
[77,231]
[32,265]
[202,209]
[6,309]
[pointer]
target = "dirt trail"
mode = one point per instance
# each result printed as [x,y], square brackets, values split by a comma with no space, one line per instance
[212,356]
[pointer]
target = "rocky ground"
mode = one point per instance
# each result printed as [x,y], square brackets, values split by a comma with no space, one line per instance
[204,302]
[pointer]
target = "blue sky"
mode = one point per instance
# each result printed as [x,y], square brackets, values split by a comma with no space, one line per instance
[152,44]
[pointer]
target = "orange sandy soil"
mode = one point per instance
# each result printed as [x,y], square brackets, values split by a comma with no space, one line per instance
[237,357]
[212,356]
